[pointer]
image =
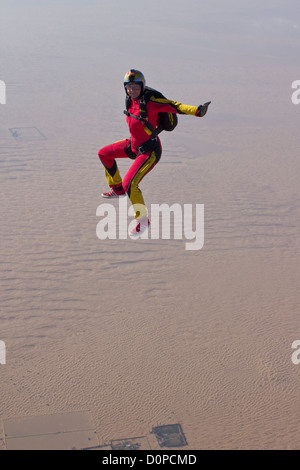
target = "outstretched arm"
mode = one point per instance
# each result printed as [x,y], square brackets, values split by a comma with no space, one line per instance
[169,106]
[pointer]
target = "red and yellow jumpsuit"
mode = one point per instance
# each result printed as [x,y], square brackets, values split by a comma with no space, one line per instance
[143,162]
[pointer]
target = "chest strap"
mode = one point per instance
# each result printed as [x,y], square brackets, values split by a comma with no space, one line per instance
[153,132]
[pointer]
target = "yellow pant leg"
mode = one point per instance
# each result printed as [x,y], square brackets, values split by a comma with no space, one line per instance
[142,165]
[113,180]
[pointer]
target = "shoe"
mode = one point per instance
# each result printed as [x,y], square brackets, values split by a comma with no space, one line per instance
[113,193]
[141,226]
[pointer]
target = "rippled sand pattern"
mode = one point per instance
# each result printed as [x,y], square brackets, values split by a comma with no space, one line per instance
[144,333]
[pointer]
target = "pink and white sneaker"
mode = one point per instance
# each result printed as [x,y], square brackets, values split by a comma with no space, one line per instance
[141,226]
[114,193]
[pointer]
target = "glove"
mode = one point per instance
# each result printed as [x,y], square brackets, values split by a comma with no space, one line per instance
[202,109]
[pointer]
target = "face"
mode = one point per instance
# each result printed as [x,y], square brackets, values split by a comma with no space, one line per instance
[133,90]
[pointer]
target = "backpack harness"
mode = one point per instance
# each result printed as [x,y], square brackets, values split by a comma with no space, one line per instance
[166,121]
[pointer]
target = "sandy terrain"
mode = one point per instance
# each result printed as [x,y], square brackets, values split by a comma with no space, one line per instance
[143,333]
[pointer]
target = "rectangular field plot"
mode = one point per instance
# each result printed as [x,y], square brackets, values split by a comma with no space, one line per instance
[64,431]
[27,134]
[170,435]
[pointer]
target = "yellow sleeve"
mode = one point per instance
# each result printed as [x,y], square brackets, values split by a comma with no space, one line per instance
[169,106]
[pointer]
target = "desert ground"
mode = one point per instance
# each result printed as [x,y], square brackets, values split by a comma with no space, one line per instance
[107,339]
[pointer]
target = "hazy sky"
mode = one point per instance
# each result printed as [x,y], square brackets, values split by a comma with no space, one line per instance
[228,51]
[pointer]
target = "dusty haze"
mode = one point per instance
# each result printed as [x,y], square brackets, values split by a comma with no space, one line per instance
[144,333]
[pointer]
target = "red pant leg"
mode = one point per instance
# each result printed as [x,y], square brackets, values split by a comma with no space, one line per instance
[108,154]
[108,157]
[142,165]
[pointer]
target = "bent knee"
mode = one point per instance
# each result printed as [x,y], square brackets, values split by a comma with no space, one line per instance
[102,153]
